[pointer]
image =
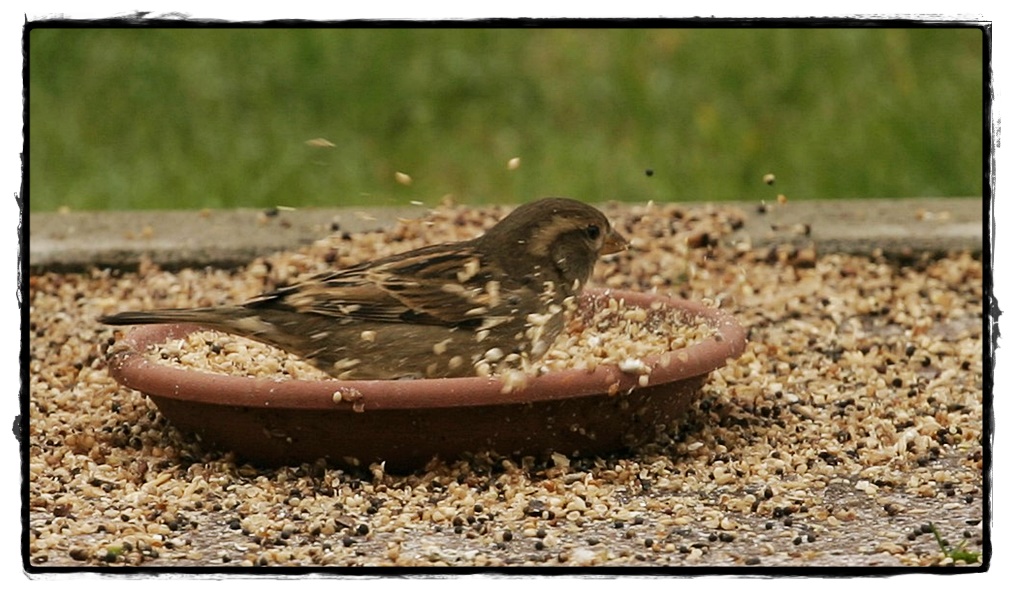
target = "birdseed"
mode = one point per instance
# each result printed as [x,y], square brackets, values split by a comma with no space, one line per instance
[850,428]
[603,332]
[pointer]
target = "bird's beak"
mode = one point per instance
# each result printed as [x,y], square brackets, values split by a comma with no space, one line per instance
[614,242]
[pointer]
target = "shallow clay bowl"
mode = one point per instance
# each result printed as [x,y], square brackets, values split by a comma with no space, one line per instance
[407,422]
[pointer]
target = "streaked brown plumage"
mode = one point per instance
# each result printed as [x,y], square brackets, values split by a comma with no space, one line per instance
[436,311]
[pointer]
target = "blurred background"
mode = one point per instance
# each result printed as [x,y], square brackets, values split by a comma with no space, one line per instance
[192,118]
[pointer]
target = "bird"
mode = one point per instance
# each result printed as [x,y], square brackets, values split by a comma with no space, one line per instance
[475,307]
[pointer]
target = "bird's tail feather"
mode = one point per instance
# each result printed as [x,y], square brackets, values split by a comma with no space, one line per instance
[283,329]
[205,316]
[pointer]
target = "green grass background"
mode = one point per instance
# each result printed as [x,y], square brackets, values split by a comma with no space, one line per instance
[179,118]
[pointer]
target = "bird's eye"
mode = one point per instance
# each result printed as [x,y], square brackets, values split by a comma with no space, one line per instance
[593,232]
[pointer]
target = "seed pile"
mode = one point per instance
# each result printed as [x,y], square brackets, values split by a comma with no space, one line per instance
[603,332]
[609,332]
[849,431]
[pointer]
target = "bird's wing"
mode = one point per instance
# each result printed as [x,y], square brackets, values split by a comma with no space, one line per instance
[433,285]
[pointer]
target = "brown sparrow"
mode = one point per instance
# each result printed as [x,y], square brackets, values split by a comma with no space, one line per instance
[454,309]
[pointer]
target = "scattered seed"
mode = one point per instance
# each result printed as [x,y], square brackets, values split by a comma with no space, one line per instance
[835,353]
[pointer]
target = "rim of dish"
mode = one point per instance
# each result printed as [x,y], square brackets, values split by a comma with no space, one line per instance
[133,369]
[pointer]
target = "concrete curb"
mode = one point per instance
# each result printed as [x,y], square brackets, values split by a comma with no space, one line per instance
[222,238]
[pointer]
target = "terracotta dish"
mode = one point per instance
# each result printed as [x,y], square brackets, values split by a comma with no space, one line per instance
[407,422]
